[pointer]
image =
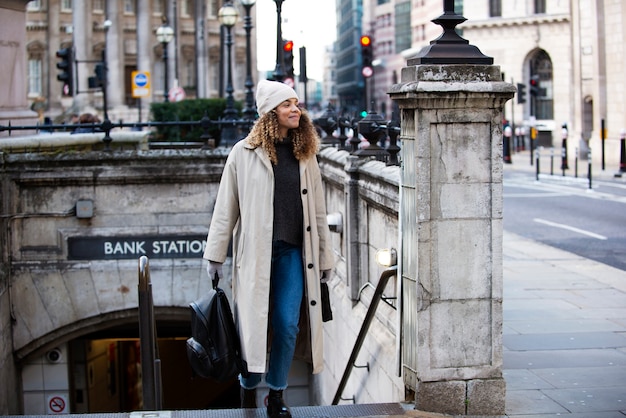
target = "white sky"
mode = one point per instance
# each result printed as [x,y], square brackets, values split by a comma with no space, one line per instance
[308,23]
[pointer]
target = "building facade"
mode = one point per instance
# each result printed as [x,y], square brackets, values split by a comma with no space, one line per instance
[568,56]
[123,34]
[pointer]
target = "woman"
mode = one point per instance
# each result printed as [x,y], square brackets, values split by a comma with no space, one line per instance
[271,202]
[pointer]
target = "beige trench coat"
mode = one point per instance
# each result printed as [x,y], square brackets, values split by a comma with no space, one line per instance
[244,210]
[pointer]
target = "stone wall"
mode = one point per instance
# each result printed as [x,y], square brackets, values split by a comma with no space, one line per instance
[77,221]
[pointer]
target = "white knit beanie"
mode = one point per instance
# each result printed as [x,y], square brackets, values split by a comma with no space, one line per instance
[270,94]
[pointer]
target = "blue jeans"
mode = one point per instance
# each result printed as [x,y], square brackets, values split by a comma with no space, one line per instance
[286,291]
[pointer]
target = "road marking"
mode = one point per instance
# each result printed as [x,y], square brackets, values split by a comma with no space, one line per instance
[570,228]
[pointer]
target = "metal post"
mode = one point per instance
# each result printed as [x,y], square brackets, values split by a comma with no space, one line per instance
[279,72]
[507,144]
[564,165]
[249,112]
[228,17]
[602,139]
[537,164]
[622,153]
[589,167]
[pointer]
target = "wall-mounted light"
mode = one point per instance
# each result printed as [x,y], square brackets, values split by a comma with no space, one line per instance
[387,257]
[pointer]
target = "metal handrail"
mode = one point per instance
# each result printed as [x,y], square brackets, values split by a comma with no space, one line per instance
[371,311]
[150,362]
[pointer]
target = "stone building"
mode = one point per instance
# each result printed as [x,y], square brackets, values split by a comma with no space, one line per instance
[128,31]
[575,49]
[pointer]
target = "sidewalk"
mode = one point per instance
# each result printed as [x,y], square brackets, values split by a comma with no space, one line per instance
[564,333]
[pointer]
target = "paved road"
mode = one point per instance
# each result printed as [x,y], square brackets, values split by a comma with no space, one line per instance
[563,212]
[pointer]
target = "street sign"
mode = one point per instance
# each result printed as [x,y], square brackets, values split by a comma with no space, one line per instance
[177,94]
[141,83]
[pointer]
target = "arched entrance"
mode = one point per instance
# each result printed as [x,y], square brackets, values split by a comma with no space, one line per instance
[99,370]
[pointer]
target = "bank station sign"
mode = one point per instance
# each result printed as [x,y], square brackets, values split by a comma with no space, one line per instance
[131,247]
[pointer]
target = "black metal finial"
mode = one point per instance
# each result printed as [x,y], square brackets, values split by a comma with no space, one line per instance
[450,48]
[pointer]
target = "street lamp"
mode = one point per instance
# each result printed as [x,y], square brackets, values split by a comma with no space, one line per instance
[279,72]
[164,35]
[228,16]
[249,112]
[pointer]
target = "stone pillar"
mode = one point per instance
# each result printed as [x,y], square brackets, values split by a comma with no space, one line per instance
[114,50]
[13,96]
[83,37]
[451,217]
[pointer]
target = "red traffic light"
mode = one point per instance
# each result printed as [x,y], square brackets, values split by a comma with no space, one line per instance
[366,40]
[288,46]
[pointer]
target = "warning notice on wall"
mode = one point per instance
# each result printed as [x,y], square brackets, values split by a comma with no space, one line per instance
[57,404]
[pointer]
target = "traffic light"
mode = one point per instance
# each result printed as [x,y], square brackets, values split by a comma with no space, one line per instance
[99,79]
[367,56]
[521,93]
[288,59]
[66,76]
[534,86]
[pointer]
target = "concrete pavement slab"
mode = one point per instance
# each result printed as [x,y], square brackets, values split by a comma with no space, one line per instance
[564,333]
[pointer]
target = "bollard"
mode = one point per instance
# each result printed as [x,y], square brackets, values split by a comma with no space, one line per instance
[576,163]
[506,144]
[589,167]
[622,153]
[564,133]
[536,164]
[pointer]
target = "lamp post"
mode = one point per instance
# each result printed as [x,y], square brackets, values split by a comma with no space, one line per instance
[279,71]
[249,112]
[228,16]
[164,35]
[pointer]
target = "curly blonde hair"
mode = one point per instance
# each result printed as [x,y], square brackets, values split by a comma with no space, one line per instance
[265,133]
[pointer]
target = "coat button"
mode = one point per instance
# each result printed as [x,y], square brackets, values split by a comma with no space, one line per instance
[310,265]
[304,191]
[308,228]
[313,303]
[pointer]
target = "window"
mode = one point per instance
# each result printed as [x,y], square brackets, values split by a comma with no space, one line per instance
[540,6]
[190,74]
[98,6]
[403,26]
[34,77]
[129,7]
[495,8]
[34,5]
[186,8]
[157,7]
[66,5]
[214,8]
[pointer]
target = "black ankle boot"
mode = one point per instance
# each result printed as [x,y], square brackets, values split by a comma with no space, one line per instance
[248,398]
[276,407]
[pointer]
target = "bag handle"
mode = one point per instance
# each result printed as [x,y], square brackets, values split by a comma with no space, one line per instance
[215,280]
